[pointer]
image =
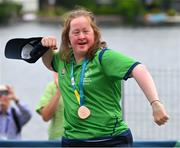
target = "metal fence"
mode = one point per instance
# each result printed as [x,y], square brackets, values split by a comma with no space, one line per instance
[138,113]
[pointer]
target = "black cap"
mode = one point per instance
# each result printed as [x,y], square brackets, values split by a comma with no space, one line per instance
[27,49]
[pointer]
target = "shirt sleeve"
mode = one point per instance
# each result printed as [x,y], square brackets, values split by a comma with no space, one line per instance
[117,65]
[55,61]
[24,114]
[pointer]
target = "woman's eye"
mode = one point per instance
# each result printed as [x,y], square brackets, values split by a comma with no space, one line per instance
[86,31]
[76,33]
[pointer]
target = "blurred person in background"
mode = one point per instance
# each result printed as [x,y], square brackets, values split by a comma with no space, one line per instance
[51,108]
[12,117]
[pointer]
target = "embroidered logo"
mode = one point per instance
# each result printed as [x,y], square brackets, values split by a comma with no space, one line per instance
[63,71]
[87,79]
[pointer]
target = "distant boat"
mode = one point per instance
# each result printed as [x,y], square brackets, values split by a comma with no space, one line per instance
[155,18]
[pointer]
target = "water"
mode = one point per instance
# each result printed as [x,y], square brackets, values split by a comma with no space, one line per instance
[156,47]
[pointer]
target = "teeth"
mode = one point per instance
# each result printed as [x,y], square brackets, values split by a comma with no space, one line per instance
[82,43]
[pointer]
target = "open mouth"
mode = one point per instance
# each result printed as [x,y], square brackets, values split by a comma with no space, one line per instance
[82,43]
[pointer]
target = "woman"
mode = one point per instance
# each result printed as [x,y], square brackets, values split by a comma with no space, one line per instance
[90,83]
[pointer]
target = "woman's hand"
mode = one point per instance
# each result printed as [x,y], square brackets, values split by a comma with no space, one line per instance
[159,113]
[50,42]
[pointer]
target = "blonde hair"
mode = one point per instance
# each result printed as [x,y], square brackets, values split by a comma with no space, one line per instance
[65,50]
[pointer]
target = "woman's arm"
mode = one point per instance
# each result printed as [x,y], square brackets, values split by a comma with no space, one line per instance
[51,43]
[146,83]
[48,111]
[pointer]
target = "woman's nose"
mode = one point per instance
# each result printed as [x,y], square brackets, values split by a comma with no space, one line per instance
[81,35]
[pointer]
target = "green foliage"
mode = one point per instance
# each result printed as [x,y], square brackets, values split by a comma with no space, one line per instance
[171,12]
[129,9]
[9,10]
[52,11]
[60,11]
[104,10]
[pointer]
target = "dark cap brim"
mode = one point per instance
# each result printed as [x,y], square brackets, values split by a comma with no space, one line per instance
[27,49]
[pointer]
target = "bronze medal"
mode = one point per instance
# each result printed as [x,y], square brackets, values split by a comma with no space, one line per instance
[83,112]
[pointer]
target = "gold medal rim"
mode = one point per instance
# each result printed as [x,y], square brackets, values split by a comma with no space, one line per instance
[86,115]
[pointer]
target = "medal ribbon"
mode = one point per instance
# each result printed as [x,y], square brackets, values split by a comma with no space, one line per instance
[79,95]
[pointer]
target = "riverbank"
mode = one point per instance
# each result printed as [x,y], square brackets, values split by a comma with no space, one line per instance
[149,20]
[114,20]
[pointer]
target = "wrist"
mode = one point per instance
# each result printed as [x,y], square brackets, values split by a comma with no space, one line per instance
[154,101]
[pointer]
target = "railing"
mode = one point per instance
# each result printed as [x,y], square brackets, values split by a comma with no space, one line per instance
[51,144]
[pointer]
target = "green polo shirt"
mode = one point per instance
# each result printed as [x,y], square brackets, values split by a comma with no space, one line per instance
[55,130]
[102,95]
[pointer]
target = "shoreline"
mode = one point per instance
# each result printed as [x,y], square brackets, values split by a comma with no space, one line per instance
[115,20]
[103,20]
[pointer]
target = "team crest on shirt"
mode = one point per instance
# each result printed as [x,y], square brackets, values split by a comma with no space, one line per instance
[63,71]
[87,79]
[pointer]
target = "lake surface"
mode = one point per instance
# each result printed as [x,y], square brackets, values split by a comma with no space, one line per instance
[157,47]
